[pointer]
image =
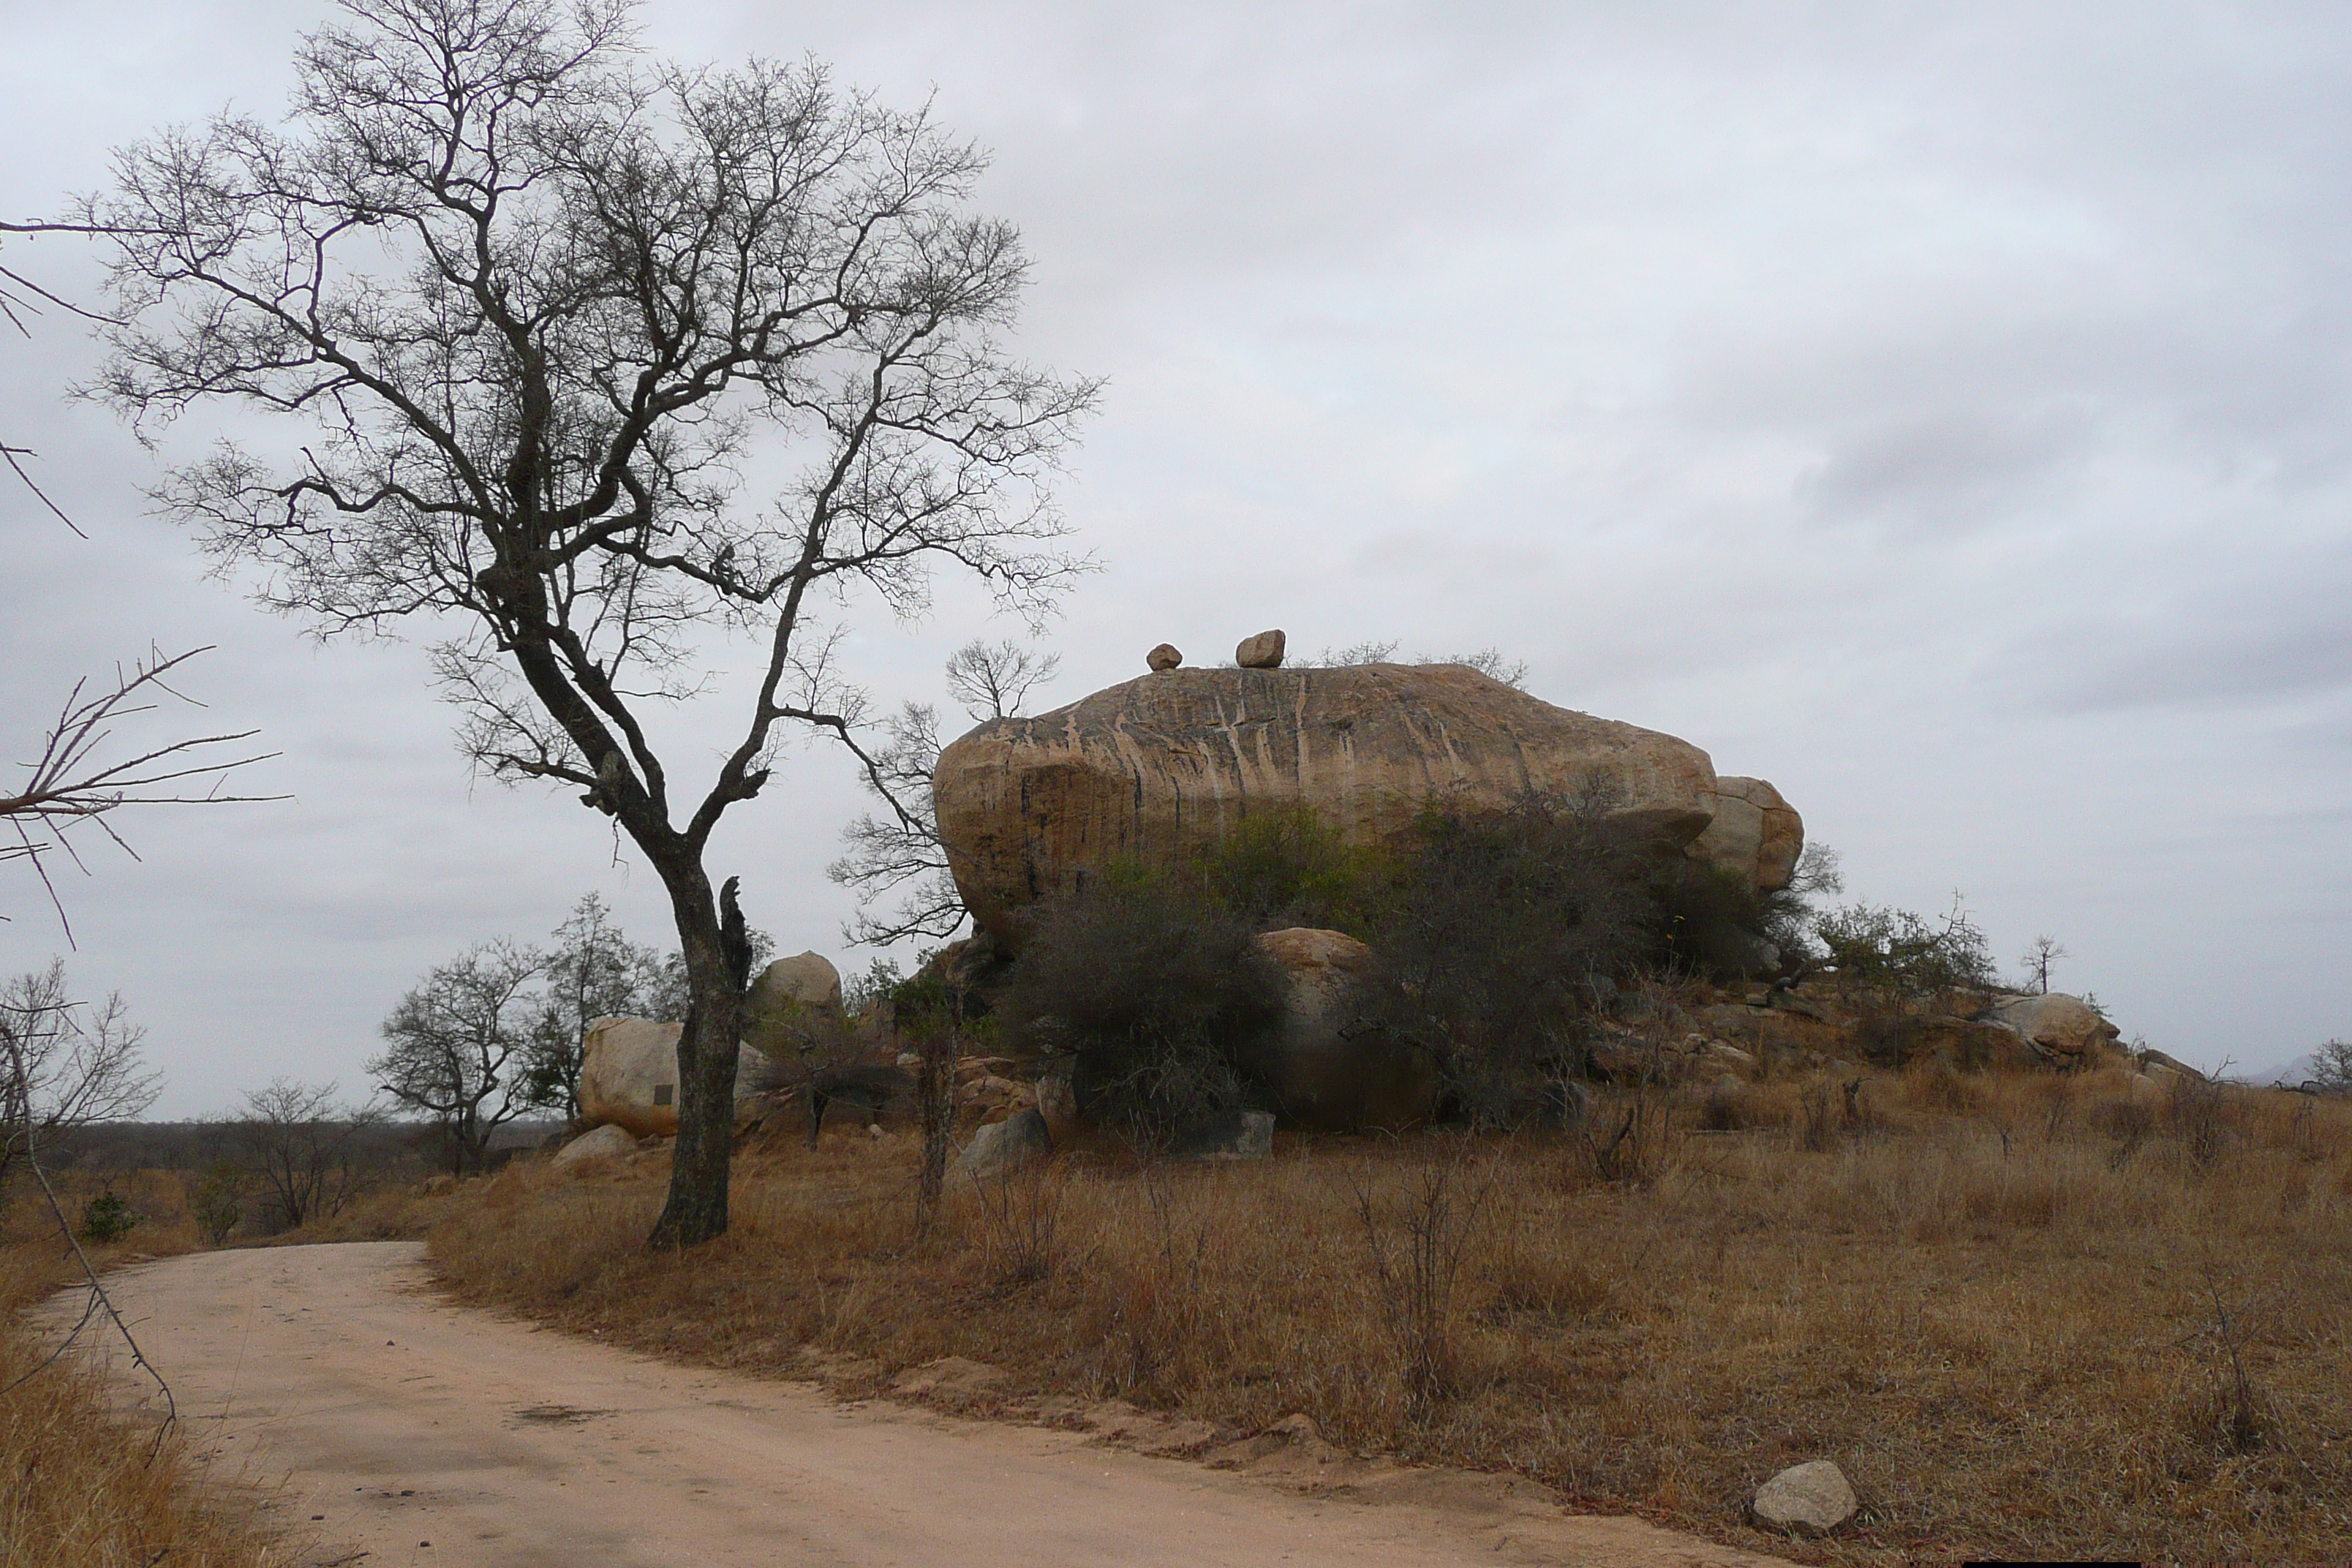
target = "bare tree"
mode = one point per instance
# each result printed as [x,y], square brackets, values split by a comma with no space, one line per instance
[593,971]
[901,852]
[2041,953]
[992,680]
[455,1045]
[303,1145]
[64,1064]
[532,299]
[2331,1067]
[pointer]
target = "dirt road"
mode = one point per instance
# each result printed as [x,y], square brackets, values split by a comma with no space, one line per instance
[403,1430]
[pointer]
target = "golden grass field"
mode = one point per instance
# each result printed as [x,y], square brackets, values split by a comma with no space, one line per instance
[81,1486]
[2029,1316]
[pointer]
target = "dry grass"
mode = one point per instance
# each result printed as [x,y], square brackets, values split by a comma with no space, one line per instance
[82,1484]
[2030,1317]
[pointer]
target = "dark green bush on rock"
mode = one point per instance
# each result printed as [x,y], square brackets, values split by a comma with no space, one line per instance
[1153,993]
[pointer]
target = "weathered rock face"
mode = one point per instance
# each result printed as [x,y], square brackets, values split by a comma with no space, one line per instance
[1324,1080]
[2058,1027]
[1164,767]
[807,979]
[1755,835]
[628,1078]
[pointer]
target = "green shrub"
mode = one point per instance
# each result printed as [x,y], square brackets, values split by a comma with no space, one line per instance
[1284,865]
[107,1217]
[1508,930]
[216,1201]
[1153,993]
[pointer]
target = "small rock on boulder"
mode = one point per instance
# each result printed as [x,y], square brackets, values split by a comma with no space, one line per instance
[1808,1499]
[1167,656]
[1001,1146]
[1263,651]
[2056,1025]
[605,1143]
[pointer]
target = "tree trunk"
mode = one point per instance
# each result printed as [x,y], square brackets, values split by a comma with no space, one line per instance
[697,1209]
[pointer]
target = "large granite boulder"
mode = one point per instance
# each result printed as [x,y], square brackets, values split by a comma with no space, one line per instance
[628,1076]
[793,1012]
[1324,1077]
[2061,1029]
[1158,769]
[1755,835]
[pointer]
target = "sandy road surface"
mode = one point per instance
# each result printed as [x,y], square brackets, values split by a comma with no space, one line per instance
[397,1420]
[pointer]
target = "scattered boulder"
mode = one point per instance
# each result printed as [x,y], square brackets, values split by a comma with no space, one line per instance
[1263,651]
[1167,656]
[1323,1078]
[1233,1135]
[1163,767]
[1806,1500]
[1754,835]
[1003,1146]
[2059,1028]
[605,1143]
[628,1076]
[2156,1064]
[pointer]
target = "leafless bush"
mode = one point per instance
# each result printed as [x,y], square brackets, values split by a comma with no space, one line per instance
[2199,1113]
[1020,1225]
[1624,1137]
[63,1065]
[1414,1242]
[305,1150]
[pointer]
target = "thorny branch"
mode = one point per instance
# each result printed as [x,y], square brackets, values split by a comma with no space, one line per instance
[71,784]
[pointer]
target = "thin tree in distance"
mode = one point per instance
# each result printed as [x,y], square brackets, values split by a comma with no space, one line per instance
[455,1046]
[899,851]
[593,971]
[532,300]
[992,680]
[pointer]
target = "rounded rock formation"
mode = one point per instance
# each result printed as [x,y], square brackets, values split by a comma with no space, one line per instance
[628,1076]
[1161,768]
[1263,651]
[1756,835]
[1167,656]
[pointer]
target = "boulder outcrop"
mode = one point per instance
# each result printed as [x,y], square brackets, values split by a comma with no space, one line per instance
[794,1008]
[1161,768]
[1754,835]
[2058,1027]
[628,1076]
[1322,1077]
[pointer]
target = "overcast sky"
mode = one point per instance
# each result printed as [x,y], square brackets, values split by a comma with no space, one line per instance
[1940,411]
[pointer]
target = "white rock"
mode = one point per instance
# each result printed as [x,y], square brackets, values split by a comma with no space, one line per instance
[1002,1145]
[607,1142]
[1809,1499]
